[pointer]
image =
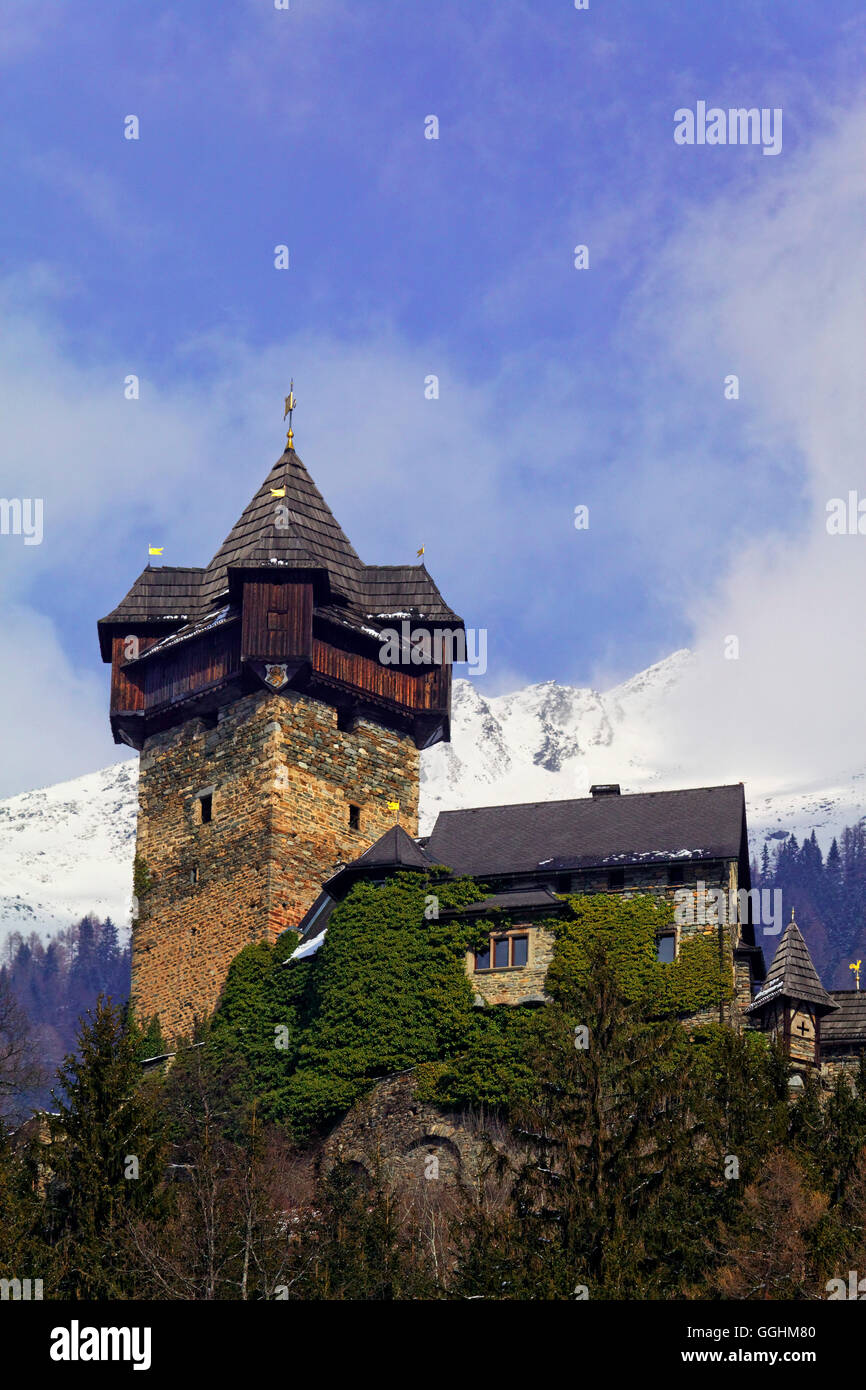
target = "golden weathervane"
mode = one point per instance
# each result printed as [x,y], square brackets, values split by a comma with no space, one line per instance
[290,405]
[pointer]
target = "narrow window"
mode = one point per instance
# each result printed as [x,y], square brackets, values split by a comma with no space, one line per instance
[616,878]
[676,875]
[206,804]
[666,948]
[482,959]
[354,818]
[519,950]
[500,952]
[193,874]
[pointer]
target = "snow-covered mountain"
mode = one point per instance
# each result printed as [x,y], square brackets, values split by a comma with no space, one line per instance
[554,741]
[67,849]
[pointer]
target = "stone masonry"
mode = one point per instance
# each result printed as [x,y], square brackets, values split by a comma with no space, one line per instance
[513,985]
[281,778]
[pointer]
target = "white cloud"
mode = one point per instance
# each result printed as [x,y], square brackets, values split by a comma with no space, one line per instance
[770,283]
[767,283]
[53,717]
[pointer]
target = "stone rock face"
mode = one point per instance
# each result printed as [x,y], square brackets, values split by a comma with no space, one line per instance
[277,778]
[393,1131]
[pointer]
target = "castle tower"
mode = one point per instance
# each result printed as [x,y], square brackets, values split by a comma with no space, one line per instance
[792,1001]
[276,726]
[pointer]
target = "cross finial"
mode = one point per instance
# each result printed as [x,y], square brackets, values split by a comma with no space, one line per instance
[290,405]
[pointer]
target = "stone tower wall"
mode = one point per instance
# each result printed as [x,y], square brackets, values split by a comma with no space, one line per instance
[282,777]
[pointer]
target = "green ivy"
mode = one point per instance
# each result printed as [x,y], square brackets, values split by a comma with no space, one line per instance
[141,879]
[627,928]
[388,991]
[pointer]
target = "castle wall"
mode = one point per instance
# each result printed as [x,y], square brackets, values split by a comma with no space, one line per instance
[801,1025]
[392,1132]
[513,984]
[282,778]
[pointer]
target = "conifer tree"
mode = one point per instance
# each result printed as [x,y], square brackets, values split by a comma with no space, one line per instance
[765,865]
[105,1156]
[24,1253]
[361,1247]
[615,1193]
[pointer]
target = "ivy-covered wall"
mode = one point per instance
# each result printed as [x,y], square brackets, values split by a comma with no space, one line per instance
[628,928]
[388,990]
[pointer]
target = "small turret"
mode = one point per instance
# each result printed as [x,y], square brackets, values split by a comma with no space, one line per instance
[792,1001]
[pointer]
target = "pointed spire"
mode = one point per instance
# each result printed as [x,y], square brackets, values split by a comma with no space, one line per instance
[287,523]
[792,974]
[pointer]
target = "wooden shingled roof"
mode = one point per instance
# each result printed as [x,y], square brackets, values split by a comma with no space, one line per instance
[792,975]
[307,536]
[302,534]
[848,1023]
[164,591]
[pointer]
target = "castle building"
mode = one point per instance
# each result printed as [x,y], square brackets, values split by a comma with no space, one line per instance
[274,738]
[279,721]
[690,847]
[792,1001]
[687,846]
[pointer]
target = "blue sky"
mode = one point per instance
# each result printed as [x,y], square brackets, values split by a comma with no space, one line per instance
[408,257]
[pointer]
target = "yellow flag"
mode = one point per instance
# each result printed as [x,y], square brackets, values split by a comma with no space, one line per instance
[278,492]
[155,549]
[420,552]
[393,805]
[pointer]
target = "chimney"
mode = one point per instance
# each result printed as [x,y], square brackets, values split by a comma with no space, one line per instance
[605,789]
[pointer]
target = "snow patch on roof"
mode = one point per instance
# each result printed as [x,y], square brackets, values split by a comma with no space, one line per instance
[309,948]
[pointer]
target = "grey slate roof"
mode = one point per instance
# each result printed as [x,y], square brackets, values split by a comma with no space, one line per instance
[605,831]
[393,850]
[792,975]
[848,1023]
[365,598]
[528,899]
